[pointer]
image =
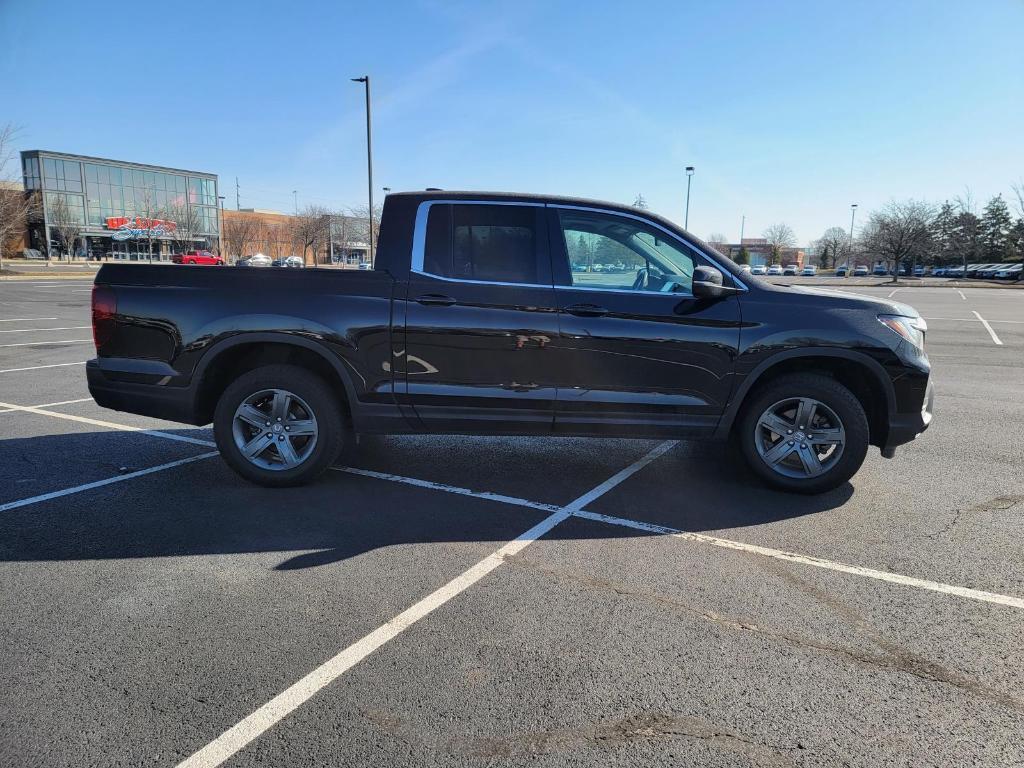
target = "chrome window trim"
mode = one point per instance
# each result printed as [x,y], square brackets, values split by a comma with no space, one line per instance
[419,235]
[478,282]
[655,224]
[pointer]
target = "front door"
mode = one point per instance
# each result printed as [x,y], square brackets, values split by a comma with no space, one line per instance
[480,320]
[637,352]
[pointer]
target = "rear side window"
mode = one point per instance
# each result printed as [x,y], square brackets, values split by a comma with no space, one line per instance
[490,243]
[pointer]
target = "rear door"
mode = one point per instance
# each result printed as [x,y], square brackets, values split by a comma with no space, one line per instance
[480,319]
[637,353]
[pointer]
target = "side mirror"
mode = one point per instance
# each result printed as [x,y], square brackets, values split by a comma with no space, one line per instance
[707,284]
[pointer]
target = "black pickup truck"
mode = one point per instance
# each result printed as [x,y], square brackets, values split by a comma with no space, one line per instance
[505,314]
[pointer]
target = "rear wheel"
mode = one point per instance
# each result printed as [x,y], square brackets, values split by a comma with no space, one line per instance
[279,425]
[804,433]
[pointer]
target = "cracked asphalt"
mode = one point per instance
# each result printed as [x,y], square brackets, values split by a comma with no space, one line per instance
[143,619]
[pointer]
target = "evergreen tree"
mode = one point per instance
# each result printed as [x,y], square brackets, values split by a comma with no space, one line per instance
[743,257]
[945,235]
[966,243]
[994,227]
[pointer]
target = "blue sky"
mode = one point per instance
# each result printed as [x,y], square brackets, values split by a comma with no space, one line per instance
[790,111]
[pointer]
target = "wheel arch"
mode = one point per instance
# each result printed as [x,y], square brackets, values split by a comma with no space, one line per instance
[235,356]
[862,375]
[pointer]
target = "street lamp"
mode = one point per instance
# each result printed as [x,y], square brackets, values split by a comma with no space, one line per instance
[386,189]
[221,249]
[365,80]
[295,200]
[689,178]
[853,212]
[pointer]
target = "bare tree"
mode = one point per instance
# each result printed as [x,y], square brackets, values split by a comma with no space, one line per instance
[640,202]
[360,224]
[68,222]
[15,204]
[240,232]
[900,231]
[719,242]
[148,212]
[1018,193]
[779,236]
[185,225]
[833,247]
[310,229]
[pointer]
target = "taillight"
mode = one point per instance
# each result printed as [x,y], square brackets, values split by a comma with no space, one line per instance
[104,308]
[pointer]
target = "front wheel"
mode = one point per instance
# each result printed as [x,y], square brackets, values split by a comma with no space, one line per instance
[279,425]
[804,433]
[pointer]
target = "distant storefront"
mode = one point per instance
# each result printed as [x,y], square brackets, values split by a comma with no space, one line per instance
[121,210]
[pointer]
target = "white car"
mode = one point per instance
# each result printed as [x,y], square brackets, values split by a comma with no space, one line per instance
[757,269]
[809,271]
[775,269]
[744,267]
[1012,272]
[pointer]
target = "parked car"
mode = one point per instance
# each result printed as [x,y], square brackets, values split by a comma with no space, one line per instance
[880,269]
[744,268]
[990,272]
[954,272]
[790,270]
[860,271]
[292,262]
[775,269]
[842,271]
[809,271]
[256,260]
[197,257]
[803,384]
[365,265]
[1009,272]
[938,271]
[919,271]
[758,269]
[974,269]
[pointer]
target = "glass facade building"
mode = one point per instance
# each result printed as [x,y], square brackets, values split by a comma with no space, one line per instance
[123,209]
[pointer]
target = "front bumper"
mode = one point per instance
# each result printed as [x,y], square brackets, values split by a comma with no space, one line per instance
[904,427]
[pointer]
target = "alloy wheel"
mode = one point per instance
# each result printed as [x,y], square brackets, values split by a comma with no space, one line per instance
[800,437]
[274,429]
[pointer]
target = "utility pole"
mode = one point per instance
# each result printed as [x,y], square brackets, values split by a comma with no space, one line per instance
[743,224]
[689,177]
[238,196]
[849,255]
[220,250]
[295,200]
[365,80]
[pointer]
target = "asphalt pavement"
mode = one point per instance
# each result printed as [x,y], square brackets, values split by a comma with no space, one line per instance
[480,601]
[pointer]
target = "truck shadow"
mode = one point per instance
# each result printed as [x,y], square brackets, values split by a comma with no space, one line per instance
[202,508]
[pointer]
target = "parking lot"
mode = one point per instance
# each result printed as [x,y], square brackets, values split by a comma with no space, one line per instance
[472,601]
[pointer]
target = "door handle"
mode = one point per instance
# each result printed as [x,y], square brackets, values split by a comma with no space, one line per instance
[435,300]
[585,310]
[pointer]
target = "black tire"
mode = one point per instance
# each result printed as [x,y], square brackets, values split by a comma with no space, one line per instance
[314,392]
[842,402]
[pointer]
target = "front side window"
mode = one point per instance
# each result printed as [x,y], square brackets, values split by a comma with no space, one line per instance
[489,243]
[617,253]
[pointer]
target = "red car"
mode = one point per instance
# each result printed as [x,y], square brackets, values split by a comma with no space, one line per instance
[197,257]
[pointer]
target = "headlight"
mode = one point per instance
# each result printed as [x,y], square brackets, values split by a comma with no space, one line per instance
[910,328]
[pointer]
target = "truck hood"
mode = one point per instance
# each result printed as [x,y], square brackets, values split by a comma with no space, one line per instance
[833,298]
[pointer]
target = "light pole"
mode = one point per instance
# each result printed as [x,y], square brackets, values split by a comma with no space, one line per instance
[689,178]
[849,255]
[295,201]
[221,249]
[365,80]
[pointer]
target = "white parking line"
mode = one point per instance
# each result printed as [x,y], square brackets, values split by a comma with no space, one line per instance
[894,293]
[961,294]
[50,405]
[107,424]
[975,320]
[286,702]
[35,343]
[817,562]
[30,330]
[989,329]
[101,483]
[38,367]
[871,573]
[27,319]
